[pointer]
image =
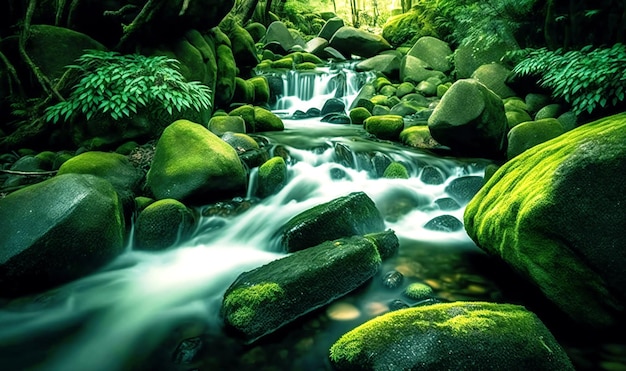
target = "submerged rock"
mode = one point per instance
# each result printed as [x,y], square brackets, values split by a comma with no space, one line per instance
[555,213]
[354,214]
[451,336]
[57,231]
[265,299]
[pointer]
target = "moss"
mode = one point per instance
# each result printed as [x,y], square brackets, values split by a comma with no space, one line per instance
[247,113]
[305,66]
[542,225]
[267,121]
[380,83]
[261,89]
[283,63]
[396,170]
[380,100]
[478,332]
[272,176]
[226,73]
[162,224]
[244,91]
[312,58]
[358,115]
[244,300]
[418,291]
[385,127]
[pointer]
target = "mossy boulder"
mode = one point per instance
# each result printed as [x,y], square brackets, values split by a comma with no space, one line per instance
[330,27]
[358,115]
[415,70]
[265,120]
[353,41]
[418,137]
[385,127]
[191,163]
[515,117]
[113,167]
[261,89]
[243,47]
[494,76]
[246,112]
[452,336]
[470,119]
[433,51]
[219,125]
[528,134]
[57,231]
[555,214]
[244,91]
[272,176]
[162,224]
[226,73]
[468,57]
[271,296]
[396,170]
[354,214]
[387,64]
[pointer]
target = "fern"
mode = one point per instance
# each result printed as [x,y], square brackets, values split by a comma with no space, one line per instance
[119,85]
[586,79]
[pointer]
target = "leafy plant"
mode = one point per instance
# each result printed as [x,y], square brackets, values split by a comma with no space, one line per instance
[119,85]
[585,78]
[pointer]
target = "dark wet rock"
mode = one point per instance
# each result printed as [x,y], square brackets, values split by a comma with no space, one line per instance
[397,304]
[313,112]
[447,204]
[333,105]
[432,175]
[57,231]
[354,214]
[392,279]
[278,33]
[462,189]
[265,299]
[187,350]
[444,223]
[330,27]
[336,118]
[555,213]
[451,336]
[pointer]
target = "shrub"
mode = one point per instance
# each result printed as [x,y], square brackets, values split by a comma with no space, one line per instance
[119,85]
[585,78]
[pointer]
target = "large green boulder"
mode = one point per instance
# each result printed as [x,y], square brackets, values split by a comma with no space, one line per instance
[555,213]
[451,336]
[220,125]
[418,137]
[265,299]
[226,73]
[191,163]
[470,119]
[415,70]
[354,41]
[433,51]
[162,224]
[385,127]
[113,167]
[265,120]
[57,231]
[354,214]
[242,43]
[494,76]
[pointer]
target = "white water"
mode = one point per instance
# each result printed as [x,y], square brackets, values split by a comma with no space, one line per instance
[113,319]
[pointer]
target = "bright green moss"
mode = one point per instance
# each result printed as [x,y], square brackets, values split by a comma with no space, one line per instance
[418,291]
[396,170]
[244,300]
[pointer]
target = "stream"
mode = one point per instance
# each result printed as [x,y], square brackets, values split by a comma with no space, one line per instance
[160,310]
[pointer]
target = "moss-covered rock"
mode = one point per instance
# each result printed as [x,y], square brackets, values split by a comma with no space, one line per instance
[494,76]
[219,125]
[515,117]
[407,28]
[190,162]
[162,224]
[244,91]
[433,51]
[272,176]
[354,41]
[452,336]
[265,299]
[243,47]
[261,89]
[387,64]
[470,119]
[265,120]
[418,291]
[555,214]
[113,167]
[256,30]
[528,134]
[226,73]
[415,70]
[57,231]
[354,214]
[396,170]
[247,113]
[418,137]
[385,127]
[358,115]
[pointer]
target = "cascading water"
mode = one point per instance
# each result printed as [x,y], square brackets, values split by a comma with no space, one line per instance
[160,310]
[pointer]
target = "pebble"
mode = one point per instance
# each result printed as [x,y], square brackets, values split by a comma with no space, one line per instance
[342,311]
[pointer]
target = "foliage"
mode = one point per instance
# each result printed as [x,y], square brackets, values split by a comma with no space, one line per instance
[119,85]
[484,22]
[584,78]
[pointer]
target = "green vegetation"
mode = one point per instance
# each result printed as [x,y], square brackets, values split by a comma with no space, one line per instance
[587,79]
[119,85]
[246,299]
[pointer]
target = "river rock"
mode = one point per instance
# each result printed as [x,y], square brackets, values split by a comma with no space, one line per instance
[385,127]
[418,137]
[470,119]
[278,33]
[494,76]
[272,176]
[190,162]
[434,52]
[358,115]
[265,299]
[387,64]
[528,134]
[162,224]
[265,120]
[330,28]
[57,231]
[463,188]
[451,336]
[354,41]
[219,125]
[555,213]
[113,167]
[415,70]
[226,73]
[354,214]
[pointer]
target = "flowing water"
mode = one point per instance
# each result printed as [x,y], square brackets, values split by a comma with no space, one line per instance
[160,310]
